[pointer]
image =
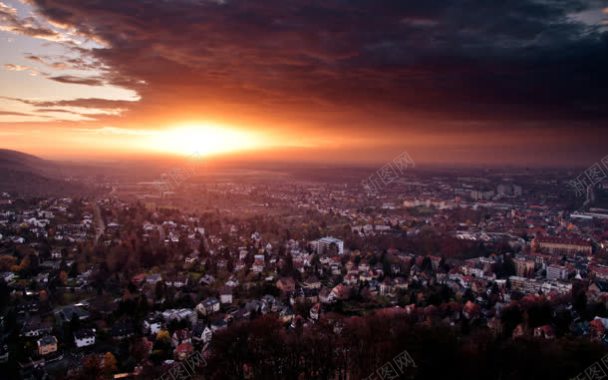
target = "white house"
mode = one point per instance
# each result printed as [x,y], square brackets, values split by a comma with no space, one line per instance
[202,333]
[153,278]
[258,264]
[7,276]
[179,315]
[84,338]
[226,295]
[153,325]
[208,306]
[325,244]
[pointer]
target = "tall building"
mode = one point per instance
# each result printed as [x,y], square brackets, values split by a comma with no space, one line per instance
[560,246]
[523,267]
[557,272]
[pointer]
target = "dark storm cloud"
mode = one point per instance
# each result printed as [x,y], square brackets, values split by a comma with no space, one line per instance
[471,59]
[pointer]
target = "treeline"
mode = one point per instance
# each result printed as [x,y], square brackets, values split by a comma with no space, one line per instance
[357,347]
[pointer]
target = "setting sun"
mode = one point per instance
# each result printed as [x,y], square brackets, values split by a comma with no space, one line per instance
[203,139]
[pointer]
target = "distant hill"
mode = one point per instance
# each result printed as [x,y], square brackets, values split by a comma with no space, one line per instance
[29,175]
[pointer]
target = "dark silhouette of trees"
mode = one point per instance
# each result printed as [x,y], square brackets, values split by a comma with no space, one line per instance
[356,347]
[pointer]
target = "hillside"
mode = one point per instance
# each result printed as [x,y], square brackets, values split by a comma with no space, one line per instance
[29,175]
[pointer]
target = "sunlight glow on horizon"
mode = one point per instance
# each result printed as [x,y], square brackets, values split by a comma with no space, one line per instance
[203,139]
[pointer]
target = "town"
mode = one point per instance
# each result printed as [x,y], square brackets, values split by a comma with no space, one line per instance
[133,283]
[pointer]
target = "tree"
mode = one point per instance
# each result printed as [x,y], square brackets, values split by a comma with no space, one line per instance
[73,271]
[140,349]
[579,301]
[90,367]
[163,336]
[7,262]
[63,277]
[507,268]
[109,363]
[43,296]
[74,323]
[5,295]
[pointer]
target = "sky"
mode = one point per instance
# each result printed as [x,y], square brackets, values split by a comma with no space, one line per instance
[469,81]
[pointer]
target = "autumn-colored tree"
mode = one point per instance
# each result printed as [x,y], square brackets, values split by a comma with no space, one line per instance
[7,262]
[43,296]
[109,363]
[90,366]
[163,336]
[140,349]
[63,277]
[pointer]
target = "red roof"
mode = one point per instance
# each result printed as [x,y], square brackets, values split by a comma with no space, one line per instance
[184,348]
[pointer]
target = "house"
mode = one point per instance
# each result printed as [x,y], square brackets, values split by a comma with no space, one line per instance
[336,268]
[47,345]
[208,306]
[179,315]
[562,246]
[312,283]
[325,296]
[28,307]
[545,331]
[340,292]
[201,333]
[269,303]
[178,281]
[311,295]
[4,353]
[7,276]
[122,330]
[329,245]
[152,279]
[519,331]
[315,311]
[258,264]
[138,279]
[557,272]
[241,314]
[386,287]
[183,351]
[42,278]
[350,279]
[207,280]
[67,313]
[286,314]
[84,337]
[191,260]
[34,327]
[598,291]
[153,324]
[226,295]
[180,336]
[596,329]
[51,265]
[218,325]
[471,310]
[254,306]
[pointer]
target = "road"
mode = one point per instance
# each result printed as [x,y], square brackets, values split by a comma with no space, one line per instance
[100,226]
